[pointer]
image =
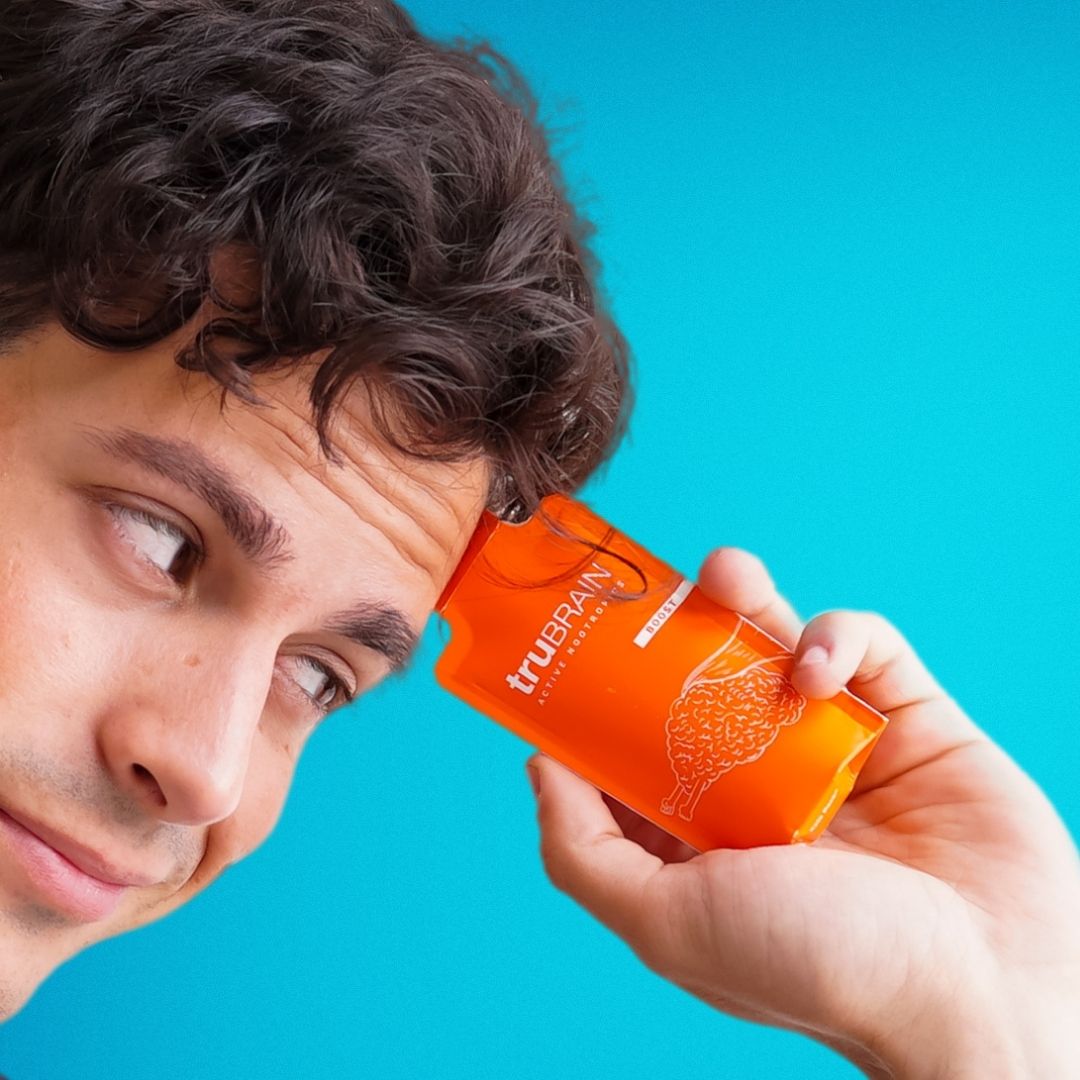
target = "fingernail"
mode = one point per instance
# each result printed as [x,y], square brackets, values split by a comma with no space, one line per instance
[816,654]
[534,778]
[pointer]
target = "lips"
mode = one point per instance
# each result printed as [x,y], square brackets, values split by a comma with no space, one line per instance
[89,862]
[69,877]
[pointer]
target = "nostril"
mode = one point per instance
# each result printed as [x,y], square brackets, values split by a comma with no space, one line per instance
[147,783]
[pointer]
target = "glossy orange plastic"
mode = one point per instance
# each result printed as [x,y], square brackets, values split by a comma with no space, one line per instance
[601,655]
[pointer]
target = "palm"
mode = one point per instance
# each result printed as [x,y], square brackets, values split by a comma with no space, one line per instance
[934,843]
[946,862]
[929,801]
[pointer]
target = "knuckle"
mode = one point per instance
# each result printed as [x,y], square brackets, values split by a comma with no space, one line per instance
[555,864]
[883,627]
[739,558]
[846,620]
[652,941]
[728,551]
[649,953]
[836,618]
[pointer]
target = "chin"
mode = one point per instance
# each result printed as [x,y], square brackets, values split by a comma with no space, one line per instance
[13,998]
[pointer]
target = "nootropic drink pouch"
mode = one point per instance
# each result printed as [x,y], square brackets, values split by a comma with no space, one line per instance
[601,655]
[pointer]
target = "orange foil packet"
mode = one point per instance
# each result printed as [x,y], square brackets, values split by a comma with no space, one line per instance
[595,651]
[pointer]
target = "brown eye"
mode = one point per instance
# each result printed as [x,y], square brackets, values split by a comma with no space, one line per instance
[319,682]
[157,541]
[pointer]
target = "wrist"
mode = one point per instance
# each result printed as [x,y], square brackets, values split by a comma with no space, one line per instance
[948,1020]
[981,1031]
[952,1041]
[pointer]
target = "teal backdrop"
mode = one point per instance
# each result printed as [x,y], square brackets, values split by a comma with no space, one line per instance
[843,240]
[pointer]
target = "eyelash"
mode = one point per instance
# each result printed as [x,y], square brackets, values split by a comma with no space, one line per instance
[342,694]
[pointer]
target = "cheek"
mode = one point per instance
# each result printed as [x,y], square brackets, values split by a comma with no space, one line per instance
[51,644]
[69,643]
[269,777]
[228,842]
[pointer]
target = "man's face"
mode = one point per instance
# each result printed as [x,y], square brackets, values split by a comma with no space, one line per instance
[182,590]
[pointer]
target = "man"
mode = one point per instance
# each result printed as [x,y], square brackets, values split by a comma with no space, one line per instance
[288,294]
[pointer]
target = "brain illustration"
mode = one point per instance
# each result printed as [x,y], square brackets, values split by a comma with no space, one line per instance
[717,724]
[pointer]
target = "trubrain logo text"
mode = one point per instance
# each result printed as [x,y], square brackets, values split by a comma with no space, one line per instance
[567,626]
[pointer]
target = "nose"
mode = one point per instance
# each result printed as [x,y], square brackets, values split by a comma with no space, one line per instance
[181,748]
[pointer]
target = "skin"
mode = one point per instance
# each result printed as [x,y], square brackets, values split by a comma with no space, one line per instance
[159,722]
[929,933]
[157,717]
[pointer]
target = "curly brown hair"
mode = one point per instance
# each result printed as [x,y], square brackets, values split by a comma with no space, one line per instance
[399,195]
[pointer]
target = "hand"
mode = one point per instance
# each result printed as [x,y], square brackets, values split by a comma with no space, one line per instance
[929,932]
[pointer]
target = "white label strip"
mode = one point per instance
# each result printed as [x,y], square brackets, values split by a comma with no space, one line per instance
[662,614]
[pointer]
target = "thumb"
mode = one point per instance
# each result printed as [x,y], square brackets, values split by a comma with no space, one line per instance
[722,925]
[586,855]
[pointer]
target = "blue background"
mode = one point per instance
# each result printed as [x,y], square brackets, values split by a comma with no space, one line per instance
[843,240]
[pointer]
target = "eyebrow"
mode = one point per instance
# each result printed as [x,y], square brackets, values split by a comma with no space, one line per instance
[262,539]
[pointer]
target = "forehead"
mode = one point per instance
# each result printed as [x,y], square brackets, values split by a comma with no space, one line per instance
[399,519]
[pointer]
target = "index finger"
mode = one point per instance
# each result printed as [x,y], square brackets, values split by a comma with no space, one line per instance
[738,580]
[587,856]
